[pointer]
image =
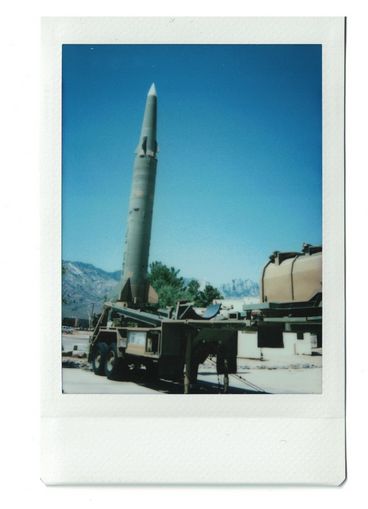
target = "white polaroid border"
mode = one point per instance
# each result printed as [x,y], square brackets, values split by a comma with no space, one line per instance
[176,439]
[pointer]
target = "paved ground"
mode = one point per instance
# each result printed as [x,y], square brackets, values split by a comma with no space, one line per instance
[80,340]
[295,375]
[83,381]
[80,381]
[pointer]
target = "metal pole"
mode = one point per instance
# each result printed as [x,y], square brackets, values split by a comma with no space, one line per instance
[226,377]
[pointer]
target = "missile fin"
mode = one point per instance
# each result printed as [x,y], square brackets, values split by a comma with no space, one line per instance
[152,295]
[126,292]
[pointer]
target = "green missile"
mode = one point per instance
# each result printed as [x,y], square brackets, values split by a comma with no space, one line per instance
[135,289]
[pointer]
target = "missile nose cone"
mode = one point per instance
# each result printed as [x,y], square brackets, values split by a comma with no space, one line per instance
[152,90]
[147,145]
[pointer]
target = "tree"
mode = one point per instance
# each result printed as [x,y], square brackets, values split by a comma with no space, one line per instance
[167,283]
[168,295]
[160,274]
[171,288]
[192,290]
[207,296]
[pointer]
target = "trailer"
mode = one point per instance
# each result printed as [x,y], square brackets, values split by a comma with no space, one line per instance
[168,345]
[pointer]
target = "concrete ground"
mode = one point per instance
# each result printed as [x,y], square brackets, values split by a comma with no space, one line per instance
[81,381]
[295,375]
[78,339]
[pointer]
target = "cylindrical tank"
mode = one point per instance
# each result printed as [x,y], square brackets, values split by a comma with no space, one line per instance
[292,277]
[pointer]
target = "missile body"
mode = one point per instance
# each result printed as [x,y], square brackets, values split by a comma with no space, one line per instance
[135,289]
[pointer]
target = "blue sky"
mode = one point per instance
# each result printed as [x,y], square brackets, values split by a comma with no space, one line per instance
[240,164]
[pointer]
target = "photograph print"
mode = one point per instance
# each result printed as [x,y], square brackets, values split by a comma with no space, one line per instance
[192,219]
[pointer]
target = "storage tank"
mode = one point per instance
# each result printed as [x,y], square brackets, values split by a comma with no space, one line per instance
[293,276]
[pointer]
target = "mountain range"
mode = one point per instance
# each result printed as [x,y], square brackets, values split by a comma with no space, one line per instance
[86,287]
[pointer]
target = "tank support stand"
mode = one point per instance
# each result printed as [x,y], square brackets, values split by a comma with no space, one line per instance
[226,377]
[188,362]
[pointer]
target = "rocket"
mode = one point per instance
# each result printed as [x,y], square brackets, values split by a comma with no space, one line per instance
[135,289]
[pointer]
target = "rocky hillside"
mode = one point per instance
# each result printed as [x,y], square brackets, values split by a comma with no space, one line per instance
[86,286]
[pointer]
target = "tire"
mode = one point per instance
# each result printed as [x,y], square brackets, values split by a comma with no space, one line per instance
[99,358]
[115,367]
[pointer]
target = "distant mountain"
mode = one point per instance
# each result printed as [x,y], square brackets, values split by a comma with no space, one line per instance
[86,286]
[202,282]
[239,288]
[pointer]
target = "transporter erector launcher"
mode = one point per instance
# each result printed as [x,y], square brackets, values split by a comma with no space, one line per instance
[135,289]
[171,343]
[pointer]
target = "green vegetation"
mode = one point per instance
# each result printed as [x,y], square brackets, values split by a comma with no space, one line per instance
[171,287]
[205,297]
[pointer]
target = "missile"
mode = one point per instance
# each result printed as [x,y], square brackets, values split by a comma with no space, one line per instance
[135,289]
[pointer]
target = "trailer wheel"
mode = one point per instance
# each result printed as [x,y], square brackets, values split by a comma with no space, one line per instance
[98,359]
[116,368]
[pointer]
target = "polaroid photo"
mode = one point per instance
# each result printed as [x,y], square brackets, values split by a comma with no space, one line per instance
[193,218]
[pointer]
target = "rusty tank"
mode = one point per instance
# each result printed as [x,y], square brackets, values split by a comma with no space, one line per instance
[292,276]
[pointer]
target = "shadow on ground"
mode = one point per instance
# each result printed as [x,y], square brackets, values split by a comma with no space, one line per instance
[170,387]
